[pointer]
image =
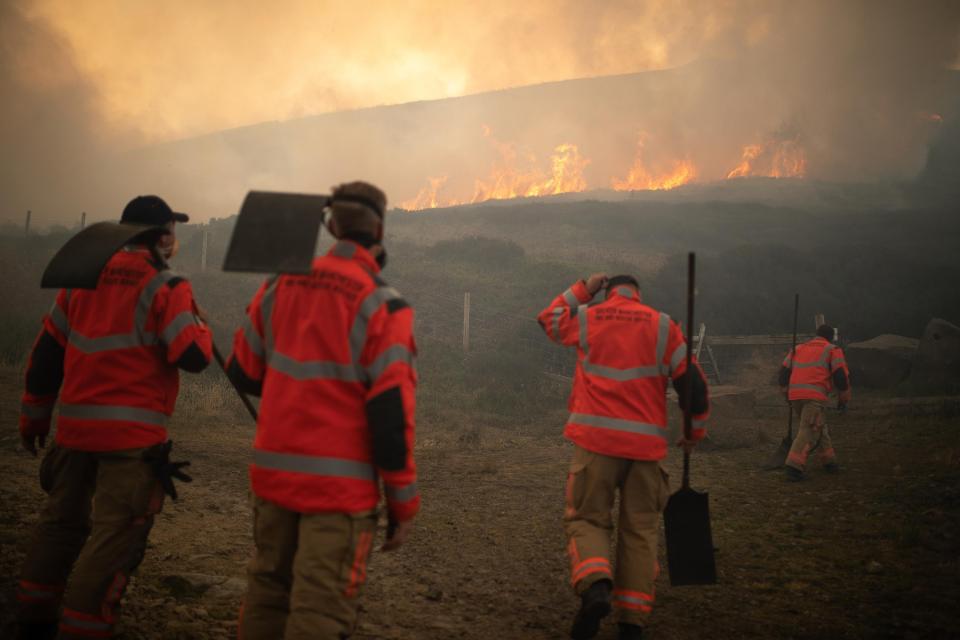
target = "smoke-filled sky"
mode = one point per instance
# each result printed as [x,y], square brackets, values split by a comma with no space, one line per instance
[84,81]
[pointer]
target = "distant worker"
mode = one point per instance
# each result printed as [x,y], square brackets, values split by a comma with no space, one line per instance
[626,354]
[112,356]
[332,355]
[807,378]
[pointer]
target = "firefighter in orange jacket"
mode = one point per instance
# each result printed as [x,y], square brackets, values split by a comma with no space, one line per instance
[807,378]
[332,355]
[626,354]
[111,356]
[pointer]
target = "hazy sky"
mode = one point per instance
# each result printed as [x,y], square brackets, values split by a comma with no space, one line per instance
[86,80]
[182,67]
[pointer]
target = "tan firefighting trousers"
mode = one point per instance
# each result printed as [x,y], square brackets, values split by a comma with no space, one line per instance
[813,430]
[306,574]
[99,511]
[591,489]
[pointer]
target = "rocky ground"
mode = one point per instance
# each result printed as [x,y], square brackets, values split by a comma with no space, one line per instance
[870,553]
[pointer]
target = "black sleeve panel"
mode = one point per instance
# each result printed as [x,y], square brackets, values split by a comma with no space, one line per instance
[174,281]
[396,304]
[239,377]
[385,417]
[46,366]
[699,404]
[840,380]
[784,377]
[192,359]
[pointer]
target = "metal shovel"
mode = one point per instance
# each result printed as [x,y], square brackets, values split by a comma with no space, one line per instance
[686,518]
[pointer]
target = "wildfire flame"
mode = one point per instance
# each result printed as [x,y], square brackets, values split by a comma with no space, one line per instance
[427,197]
[778,156]
[512,176]
[640,178]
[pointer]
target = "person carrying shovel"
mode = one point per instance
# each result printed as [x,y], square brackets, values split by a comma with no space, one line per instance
[111,356]
[806,378]
[626,354]
[331,353]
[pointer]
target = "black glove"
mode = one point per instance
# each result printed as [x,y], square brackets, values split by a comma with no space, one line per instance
[158,457]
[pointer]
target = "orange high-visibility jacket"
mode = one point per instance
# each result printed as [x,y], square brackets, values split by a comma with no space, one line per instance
[334,355]
[115,350]
[813,368]
[626,353]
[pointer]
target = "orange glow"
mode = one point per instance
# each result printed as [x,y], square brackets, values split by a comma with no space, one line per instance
[776,157]
[513,175]
[640,178]
[427,197]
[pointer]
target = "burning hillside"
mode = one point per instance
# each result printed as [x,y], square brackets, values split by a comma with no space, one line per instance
[516,174]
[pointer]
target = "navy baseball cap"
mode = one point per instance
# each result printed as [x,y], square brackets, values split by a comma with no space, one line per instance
[151,210]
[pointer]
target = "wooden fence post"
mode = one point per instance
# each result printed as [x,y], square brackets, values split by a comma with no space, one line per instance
[83,220]
[203,250]
[466,322]
[26,226]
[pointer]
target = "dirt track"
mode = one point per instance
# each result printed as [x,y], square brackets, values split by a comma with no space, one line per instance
[870,553]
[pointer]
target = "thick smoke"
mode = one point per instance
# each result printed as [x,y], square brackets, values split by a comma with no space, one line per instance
[93,82]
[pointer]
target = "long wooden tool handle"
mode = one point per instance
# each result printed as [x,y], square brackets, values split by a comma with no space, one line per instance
[688,395]
[793,355]
[243,397]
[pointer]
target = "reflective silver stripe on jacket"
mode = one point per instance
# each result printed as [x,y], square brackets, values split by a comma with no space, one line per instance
[145,302]
[631,426]
[699,424]
[112,412]
[374,300]
[107,343]
[390,355]
[557,314]
[401,494]
[252,337]
[663,334]
[266,313]
[314,465]
[571,298]
[621,375]
[584,327]
[181,322]
[314,369]
[59,318]
[814,387]
[36,411]
[679,355]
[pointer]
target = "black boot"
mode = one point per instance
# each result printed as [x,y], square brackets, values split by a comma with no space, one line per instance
[831,467]
[630,631]
[793,475]
[37,631]
[594,606]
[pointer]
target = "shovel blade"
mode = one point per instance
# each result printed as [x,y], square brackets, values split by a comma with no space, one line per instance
[778,457]
[689,541]
[78,263]
[276,233]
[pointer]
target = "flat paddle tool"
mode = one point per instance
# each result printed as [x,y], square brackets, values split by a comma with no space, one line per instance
[779,457]
[78,263]
[276,233]
[686,518]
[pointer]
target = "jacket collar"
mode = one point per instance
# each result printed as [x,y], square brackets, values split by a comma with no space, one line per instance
[350,250]
[623,291]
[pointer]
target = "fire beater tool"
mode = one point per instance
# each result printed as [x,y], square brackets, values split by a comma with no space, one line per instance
[779,457]
[79,262]
[687,515]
